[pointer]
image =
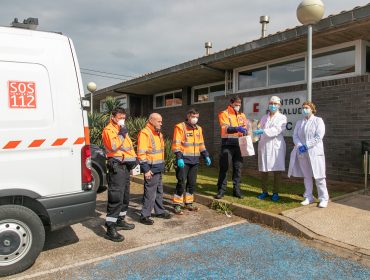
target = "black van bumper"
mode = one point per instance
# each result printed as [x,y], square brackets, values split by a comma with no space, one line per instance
[69,209]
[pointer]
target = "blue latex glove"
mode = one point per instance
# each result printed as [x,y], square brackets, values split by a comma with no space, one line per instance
[302,149]
[258,132]
[208,161]
[241,130]
[180,163]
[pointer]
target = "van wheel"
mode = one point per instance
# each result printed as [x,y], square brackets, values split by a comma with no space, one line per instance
[96,179]
[22,237]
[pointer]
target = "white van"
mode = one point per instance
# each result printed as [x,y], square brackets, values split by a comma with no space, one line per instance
[45,175]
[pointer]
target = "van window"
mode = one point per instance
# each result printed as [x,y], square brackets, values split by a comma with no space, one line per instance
[25,96]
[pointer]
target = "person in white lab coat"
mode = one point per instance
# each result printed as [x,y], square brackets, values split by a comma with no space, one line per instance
[271,147]
[307,158]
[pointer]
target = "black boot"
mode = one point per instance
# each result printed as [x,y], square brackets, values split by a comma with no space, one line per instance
[122,224]
[219,195]
[237,193]
[112,234]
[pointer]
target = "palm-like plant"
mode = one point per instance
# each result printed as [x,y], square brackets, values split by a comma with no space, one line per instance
[110,104]
[169,156]
[97,122]
[134,125]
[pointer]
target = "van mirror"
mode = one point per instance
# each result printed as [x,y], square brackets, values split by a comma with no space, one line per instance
[85,102]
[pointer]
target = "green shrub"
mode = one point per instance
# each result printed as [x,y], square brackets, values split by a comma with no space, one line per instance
[134,125]
[169,156]
[97,122]
[110,104]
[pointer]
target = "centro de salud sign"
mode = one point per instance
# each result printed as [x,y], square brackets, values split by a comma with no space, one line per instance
[291,106]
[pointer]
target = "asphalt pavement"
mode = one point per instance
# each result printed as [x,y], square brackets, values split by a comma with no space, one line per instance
[242,251]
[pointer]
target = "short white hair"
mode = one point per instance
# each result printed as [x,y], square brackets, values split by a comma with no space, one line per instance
[275,99]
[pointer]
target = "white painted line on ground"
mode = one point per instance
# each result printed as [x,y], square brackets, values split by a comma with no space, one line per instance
[98,259]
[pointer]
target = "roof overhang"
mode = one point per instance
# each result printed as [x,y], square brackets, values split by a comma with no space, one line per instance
[344,27]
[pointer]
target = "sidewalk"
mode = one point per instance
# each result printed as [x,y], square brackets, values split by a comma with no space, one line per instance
[346,220]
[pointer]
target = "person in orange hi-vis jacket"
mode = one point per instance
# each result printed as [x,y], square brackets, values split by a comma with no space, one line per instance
[234,124]
[150,151]
[188,145]
[121,159]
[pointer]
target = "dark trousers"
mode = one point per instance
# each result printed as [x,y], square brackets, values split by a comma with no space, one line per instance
[230,153]
[277,180]
[186,179]
[118,191]
[153,196]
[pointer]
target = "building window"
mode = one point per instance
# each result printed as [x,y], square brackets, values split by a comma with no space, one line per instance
[122,99]
[334,63]
[326,64]
[367,59]
[168,99]
[254,78]
[286,72]
[207,93]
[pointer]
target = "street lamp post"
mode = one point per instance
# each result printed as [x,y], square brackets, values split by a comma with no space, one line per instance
[310,12]
[91,87]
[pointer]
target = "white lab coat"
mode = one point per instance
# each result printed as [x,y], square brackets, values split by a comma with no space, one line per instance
[271,147]
[309,132]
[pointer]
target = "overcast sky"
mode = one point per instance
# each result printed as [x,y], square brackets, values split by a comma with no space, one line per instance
[133,37]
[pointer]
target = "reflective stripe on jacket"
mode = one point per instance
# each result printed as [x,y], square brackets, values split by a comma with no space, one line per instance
[117,146]
[181,200]
[188,140]
[150,150]
[229,119]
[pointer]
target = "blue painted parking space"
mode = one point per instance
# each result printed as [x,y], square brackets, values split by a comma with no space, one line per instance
[244,251]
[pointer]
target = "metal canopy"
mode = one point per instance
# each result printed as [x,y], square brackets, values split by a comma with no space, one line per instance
[341,28]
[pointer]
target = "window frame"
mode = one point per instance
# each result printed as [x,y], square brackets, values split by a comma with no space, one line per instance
[166,93]
[360,49]
[205,86]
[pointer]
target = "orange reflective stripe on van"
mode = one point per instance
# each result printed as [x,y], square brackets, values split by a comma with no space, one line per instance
[37,143]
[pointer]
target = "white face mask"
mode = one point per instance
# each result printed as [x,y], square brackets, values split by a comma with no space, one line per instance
[121,123]
[193,120]
[237,108]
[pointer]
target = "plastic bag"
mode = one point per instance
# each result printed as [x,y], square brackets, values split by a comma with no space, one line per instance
[246,146]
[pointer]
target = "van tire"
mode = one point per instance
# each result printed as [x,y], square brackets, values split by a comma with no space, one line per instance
[22,237]
[96,179]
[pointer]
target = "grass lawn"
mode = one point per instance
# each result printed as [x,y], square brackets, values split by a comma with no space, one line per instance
[290,192]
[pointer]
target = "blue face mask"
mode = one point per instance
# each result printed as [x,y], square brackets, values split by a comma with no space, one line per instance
[273,108]
[306,112]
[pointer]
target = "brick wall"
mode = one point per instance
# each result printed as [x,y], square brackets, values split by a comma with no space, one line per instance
[344,105]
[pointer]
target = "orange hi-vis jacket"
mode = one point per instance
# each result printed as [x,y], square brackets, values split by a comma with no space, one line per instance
[117,146]
[229,120]
[150,150]
[188,142]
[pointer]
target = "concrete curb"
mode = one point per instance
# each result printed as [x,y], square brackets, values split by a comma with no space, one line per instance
[285,224]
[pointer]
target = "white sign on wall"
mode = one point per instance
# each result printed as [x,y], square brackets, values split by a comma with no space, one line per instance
[291,106]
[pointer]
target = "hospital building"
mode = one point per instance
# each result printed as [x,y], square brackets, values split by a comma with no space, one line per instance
[271,65]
